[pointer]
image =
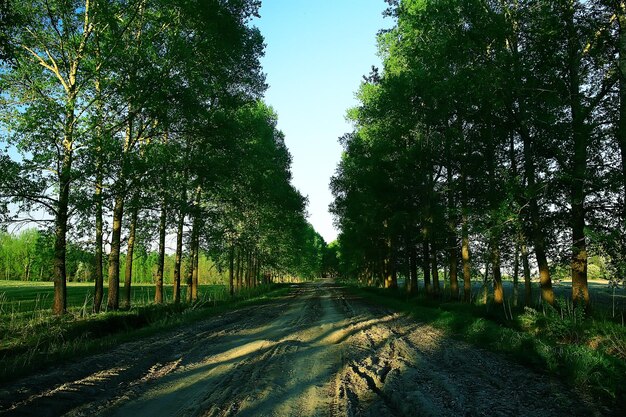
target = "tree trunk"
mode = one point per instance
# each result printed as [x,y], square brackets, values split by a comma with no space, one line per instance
[189,277]
[435,269]
[547,294]
[179,256]
[537,235]
[426,266]
[465,252]
[158,292]
[498,291]
[99,274]
[391,280]
[238,269]
[60,279]
[452,225]
[128,273]
[195,260]
[580,291]
[516,276]
[528,289]
[114,256]
[413,285]
[231,271]
[621,127]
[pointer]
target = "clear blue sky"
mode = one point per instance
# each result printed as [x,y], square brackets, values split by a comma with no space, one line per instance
[316,53]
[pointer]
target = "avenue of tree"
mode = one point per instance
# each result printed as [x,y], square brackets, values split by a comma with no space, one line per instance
[492,141]
[126,122]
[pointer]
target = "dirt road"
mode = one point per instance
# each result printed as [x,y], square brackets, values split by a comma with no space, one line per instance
[316,352]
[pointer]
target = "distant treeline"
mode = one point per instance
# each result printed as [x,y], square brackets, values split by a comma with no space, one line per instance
[28,256]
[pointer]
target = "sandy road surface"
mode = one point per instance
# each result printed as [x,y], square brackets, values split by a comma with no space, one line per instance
[316,352]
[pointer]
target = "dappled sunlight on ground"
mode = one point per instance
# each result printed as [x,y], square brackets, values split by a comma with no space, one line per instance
[315,352]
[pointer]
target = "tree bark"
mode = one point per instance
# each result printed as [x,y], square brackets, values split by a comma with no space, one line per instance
[231,271]
[435,268]
[128,273]
[621,127]
[465,249]
[195,260]
[238,269]
[158,293]
[59,306]
[516,276]
[426,266]
[498,291]
[189,271]
[528,289]
[179,256]
[580,291]
[452,225]
[547,294]
[413,285]
[98,272]
[114,256]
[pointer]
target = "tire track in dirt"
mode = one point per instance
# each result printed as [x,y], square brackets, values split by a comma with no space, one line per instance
[317,352]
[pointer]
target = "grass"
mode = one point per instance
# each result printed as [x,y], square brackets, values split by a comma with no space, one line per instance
[588,353]
[31,338]
[28,296]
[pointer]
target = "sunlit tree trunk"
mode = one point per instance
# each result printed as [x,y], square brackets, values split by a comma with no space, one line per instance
[158,293]
[452,233]
[426,266]
[189,273]
[516,276]
[195,259]
[413,285]
[231,271]
[498,291]
[536,235]
[114,255]
[547,294]
[128,274]
[391,280]
[179,256]
[98,272]
[465,249]
[580,291]
[528,289]
[435,269]
[60,279]
[238,269]
[116,231]
[621,125]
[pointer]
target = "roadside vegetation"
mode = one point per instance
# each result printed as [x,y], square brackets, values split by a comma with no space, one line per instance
[488,154]
[31,338]
[137,131]
[586,353]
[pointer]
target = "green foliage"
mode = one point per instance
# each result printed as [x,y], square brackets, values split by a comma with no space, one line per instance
[33,339]
[497,126]
[146,109]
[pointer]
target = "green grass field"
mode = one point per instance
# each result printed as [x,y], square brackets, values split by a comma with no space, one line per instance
[31,337]
[23,296]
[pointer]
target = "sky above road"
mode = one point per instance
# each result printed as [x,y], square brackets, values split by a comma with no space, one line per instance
[316,54]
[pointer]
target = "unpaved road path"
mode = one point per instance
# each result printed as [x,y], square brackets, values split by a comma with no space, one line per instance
[317,352]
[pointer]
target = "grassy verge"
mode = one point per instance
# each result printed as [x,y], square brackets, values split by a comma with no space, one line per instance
[589,354]
[31,296]
[32,341]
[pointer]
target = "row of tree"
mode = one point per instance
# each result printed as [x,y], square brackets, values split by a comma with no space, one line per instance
[29,255]
[494,134]
[129,121]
